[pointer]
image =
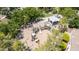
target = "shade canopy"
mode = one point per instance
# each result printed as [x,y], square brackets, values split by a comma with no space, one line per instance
[55,17]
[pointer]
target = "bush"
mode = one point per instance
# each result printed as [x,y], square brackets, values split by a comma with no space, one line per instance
[2,35]
[55,31]
[63,24]
[66,37]
[18,46]
[63,28]
[74,23]
[68,12]
[63,46]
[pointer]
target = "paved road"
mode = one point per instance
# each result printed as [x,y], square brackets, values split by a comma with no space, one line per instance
[75,40]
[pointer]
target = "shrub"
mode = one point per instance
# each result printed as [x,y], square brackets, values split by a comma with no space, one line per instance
[16,45]
[55,31]
[2,35]
[66,37]
[63,45]
[63,24]
[63,28]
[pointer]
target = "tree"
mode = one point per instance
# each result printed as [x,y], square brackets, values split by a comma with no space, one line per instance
[53,42]
[74,23]
[63,24]
[5,43]
[25,15]
[2,35]
[17,16]
[67,12]
[46,9]
[33,13]
[4,28]
[10,28]
[7,11]
[56,10]
[57,41]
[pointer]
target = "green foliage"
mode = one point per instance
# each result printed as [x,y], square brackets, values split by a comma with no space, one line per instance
[57,41]
[74,23]
[9,44]
[3,10]
[53,42]
[67,12]
[2,35]
[22,17]
[66,37]
[11,28]
[9,31]
[18,46]
[63,21]
[17,17]
[71,13]
[46,9]
[63,24]
[56,10]
[5,43]
[55,31]
[4,28]
[48,46]
[33,13]
[7,11]
[63,45]
[26,15]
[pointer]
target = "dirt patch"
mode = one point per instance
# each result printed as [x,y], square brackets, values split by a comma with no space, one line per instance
[41,36]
